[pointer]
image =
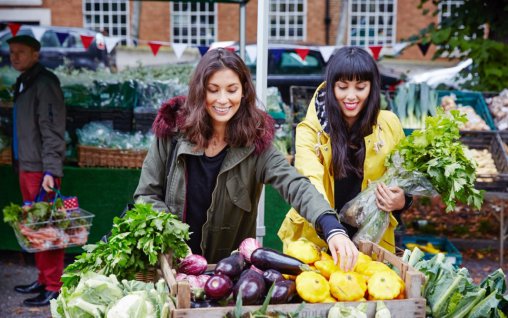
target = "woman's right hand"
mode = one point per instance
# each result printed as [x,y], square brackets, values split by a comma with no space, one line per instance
[343,250]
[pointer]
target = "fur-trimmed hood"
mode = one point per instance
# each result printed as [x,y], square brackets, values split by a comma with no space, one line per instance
[171,118]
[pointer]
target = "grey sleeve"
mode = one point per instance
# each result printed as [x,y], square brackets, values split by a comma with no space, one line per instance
[51,116]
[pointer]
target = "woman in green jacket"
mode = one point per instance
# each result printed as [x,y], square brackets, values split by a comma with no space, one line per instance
[212,155]
[342,144]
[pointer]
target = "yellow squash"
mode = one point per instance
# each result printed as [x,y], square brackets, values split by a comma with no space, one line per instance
[312,287]
[369,268]
[304,250]
[384,286]
[349,286]
[326,268]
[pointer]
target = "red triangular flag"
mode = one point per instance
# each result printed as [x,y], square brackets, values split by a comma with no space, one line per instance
[87,40]
[302,53]
[230,49]
[155,47]
[14,28]
[375,49]
[423,47]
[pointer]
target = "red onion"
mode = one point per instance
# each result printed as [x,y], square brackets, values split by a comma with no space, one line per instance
[193,264]
[248,246]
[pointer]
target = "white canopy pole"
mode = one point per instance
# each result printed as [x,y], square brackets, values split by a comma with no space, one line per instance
[242,29]
[261,85]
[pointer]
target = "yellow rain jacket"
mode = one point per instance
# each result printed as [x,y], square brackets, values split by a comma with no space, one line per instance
[313,159]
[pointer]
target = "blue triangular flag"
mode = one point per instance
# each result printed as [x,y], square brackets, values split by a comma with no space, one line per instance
[61,37]
[203,49]
[277,54]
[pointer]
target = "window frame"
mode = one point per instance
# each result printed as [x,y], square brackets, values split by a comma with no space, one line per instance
[113,28]
[377,15]
[286,16]
[185,23]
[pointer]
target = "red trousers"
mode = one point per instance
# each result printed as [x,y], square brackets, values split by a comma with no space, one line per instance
[49,263]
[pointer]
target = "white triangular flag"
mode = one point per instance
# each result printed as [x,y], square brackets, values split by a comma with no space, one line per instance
[178,48]
[326,51]
[111,42]
[252,52]
[38,32]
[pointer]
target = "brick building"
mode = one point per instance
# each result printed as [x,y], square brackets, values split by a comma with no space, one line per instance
[367,22]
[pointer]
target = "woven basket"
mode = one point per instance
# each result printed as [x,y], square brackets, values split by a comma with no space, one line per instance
[6,156]
[149,276]
[89,156]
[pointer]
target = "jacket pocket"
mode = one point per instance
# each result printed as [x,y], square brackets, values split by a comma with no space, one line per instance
[238,194]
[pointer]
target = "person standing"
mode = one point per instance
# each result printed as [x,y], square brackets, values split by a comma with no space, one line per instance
[343,142]
[38,150]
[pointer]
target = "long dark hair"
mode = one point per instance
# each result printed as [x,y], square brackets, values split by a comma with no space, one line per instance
[247,125]
[348,64]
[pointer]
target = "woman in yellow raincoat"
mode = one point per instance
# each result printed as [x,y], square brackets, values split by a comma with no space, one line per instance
[341,146]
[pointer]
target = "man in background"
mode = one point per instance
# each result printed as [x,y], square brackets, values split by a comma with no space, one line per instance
[38,150]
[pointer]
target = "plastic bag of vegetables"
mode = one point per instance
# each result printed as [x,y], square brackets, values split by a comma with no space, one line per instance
[427,162]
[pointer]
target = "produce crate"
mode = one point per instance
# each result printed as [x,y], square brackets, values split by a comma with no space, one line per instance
[77,117]
[452,256]
[6,156]
[144,118]
[492,142]
[473,99]
[42,236]
[413,306]
[89,156]
[300,97]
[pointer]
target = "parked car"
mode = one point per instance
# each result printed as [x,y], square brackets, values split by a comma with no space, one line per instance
[71,51]
[286,68]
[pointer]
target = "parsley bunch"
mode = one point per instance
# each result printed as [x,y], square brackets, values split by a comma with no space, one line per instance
[136,241]
[439,155]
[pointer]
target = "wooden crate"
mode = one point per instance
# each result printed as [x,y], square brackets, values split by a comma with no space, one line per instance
[412,306]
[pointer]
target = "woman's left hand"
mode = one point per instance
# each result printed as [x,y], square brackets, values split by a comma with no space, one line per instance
[389,198]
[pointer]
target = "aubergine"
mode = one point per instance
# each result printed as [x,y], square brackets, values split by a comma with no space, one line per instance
[283,292]
[267,258]
[251,285]
[218,287]
[231,266]
[271,276]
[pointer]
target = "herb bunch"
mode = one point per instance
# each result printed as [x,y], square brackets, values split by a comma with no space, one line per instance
[134,245]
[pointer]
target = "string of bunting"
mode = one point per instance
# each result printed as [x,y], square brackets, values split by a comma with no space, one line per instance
[110,42]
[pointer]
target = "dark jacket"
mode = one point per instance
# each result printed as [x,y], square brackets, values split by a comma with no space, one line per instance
[233,211]
[40,121]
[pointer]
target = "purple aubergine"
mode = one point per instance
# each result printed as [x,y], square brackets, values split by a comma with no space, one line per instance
[252,287]
[218,287]
[231,266]
[193,264]
[266,258]
[271,276]
[283,292]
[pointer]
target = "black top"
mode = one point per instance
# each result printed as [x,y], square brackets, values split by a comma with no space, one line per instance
[202,172]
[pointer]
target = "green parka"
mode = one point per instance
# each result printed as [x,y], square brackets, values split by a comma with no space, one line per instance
[232,214]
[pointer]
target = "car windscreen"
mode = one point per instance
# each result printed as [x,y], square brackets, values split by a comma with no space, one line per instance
[290,63]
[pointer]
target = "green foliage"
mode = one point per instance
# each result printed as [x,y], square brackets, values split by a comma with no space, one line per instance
[136,241]
[478,30]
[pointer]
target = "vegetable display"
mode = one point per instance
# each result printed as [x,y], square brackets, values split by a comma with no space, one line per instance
[428,161]
[135,243]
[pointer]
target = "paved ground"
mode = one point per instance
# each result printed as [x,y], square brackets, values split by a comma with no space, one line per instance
[18,268]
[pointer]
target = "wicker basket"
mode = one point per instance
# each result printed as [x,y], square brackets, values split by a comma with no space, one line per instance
[6,156]
[89,156]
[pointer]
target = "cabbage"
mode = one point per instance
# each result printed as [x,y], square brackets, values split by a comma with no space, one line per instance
[135,305]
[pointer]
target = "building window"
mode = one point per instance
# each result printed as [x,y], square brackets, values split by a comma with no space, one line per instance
[447,8]
[372,22]
[193,23]
[288,20]
[108,16]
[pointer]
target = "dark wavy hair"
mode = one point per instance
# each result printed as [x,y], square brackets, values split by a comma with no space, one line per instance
[348,64]
[246,126]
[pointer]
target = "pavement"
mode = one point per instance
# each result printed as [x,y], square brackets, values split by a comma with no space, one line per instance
[18,268]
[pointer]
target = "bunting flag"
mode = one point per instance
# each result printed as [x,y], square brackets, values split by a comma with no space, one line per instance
[277,54]
[375,49]
[61,36]
[423,47]
[230,49]
[178,48]
[111,42]
[327,51]
[203,49]
[252,52]
[302,53]
[38,32]
[86,40]
[14,27]
[154,46]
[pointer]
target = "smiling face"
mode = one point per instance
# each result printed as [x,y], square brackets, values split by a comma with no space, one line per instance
[223,96]
[351,96]
[22,56]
